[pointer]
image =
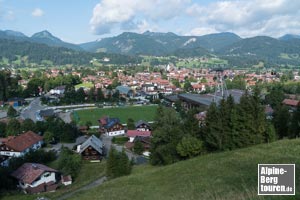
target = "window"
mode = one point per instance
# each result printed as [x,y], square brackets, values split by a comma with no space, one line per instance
[47,174]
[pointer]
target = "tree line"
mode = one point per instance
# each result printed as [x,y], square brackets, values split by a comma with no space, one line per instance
[53,129]
[227,126]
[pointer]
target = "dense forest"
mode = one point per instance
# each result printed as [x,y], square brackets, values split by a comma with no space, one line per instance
[34,53]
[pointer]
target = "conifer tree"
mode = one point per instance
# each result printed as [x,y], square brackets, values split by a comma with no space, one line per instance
[294,130]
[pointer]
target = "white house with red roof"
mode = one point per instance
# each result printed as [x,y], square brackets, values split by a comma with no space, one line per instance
[36,178]
[131,134]
[15,146]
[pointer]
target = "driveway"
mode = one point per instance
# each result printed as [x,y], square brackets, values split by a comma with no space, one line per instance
[58,146]
[107,145]
[86,187]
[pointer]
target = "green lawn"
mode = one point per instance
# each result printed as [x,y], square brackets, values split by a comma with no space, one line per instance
[146,113]
[88,173]
[229,175]
[86,85]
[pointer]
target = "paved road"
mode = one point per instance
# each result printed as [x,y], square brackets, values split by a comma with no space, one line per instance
[3,114]
[58,146]
[30,111]
[107,145]
[86,187]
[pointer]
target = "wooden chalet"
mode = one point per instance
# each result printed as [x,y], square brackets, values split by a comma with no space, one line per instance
[91,149]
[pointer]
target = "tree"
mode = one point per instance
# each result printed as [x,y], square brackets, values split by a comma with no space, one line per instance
[80,95]
[130,124]
[11,112]
[118,164]
[88,124]
[33,86]
[213,128]
[48,137]
[189,147]
[176,83]
[270,135]
[69,163]
[13,127]
[281,120]
[28,125]
[294,130]
[167,133]
[275,96]
[91,95]
[187,86]
[2,129]
[100,95]
[138,147]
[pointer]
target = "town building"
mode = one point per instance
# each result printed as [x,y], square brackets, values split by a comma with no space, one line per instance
[91,149]
[16,146]
[35,178]
[111,126]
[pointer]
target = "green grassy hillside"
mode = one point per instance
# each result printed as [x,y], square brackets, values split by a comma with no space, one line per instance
[229,175]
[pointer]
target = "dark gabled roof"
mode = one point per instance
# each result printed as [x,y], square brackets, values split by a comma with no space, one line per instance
[207,99]
[146,140]
[108,122]
[111,122]
[47,113]
[62,87]
[140,122]
[16,99]
[94,142]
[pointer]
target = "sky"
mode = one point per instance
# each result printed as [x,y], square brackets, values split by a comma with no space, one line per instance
[79,21]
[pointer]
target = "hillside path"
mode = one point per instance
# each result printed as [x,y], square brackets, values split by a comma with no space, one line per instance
[86,187]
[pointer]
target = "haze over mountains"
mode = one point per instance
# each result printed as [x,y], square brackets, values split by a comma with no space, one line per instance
[283,50]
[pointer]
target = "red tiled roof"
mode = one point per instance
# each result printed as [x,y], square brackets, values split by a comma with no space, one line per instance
[290,102]
[29,172]
[23,141]
[133,133]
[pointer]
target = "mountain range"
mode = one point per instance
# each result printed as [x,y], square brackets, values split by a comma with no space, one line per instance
[282,50]
[43,37]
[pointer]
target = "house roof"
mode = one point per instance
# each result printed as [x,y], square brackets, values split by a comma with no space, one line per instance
[15,99]
[29,172]
[134,133]
[47,113]
[94,142]
[140,122]
[145,140]
[21,142]
[123,89]
[108,122]
[290,102]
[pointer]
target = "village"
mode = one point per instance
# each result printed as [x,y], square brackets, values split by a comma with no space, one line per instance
[168,86]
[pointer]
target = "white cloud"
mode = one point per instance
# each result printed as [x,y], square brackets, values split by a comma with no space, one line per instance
[37,12]
[9,15]
[248,18]
[133,14]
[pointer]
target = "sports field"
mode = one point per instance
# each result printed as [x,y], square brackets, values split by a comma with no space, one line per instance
[145,113]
